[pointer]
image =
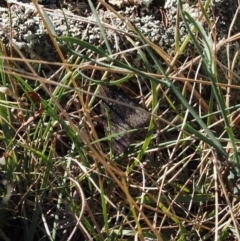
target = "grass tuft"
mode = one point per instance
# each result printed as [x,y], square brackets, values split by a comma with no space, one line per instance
[60,178]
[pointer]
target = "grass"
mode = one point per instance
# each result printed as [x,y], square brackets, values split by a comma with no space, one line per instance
[61,181]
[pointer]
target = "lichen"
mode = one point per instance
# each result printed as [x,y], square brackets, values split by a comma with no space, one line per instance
[28,28]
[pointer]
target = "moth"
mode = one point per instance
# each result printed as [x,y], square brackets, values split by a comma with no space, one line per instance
[121,118]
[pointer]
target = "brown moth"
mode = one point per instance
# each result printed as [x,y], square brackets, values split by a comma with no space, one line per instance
[122,118]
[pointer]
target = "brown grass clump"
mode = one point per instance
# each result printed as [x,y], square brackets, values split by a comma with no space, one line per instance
[152,155]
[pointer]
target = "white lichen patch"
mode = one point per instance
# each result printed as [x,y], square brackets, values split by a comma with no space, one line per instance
[27,27]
